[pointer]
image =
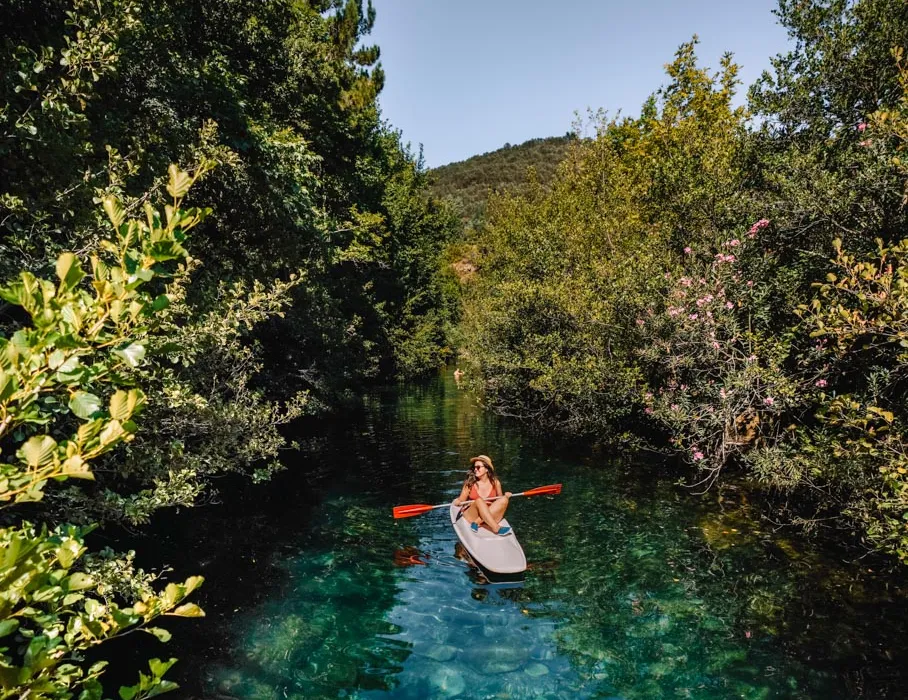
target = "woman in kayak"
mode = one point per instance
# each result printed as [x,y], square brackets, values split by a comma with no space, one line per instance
[480,486]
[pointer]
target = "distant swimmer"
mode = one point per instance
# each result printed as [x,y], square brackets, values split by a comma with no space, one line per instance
[458,375]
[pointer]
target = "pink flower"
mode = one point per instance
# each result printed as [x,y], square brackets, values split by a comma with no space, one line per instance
[750,283]
[751,358]
[729,305]
[862,127]
[722,393]
[648,411]
[758,226]
[715,345]
[693,317]
[688,250]
[821,383]
[734,242]
[640,322]
[698,455]
[648,395]
[674,407]
[768,401]
[866,142]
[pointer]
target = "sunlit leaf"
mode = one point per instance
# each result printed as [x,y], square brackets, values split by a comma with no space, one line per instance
[69,271]
[178,182]
[132,354]
[188,610]
[84,404]
[38,450]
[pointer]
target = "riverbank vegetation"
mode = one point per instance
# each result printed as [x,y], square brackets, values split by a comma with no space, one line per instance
[729,280]
[314,269]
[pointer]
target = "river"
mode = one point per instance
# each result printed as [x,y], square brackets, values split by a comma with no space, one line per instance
[636,588]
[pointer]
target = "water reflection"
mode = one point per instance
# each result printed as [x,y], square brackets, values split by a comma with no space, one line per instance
[634,589]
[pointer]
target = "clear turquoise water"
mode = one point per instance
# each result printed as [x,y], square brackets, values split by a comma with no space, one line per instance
[636,589]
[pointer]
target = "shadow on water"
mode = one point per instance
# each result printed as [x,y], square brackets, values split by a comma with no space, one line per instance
[634,588]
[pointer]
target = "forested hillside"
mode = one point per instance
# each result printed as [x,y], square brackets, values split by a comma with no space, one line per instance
[205,232]
[467,183]
[733,278]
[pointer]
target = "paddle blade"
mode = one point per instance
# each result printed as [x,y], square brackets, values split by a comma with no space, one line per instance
[552,490]
[410,511]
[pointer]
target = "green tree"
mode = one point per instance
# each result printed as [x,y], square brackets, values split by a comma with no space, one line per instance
[67,396]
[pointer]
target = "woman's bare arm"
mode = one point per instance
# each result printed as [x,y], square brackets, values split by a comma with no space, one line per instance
[464,493]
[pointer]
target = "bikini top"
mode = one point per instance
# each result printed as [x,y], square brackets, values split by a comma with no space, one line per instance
[474,493]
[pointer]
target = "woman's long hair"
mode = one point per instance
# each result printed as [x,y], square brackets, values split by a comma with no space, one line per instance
[471,474]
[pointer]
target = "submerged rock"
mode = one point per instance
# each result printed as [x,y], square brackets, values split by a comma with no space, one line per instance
[439,652]
[447,681]
[496,660]
[535,670]
[494,667]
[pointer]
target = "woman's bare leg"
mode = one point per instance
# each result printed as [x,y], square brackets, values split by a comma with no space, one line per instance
[498,508]
[472,514]
[491,514]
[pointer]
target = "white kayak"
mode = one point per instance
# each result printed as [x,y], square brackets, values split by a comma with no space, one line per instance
[500,554]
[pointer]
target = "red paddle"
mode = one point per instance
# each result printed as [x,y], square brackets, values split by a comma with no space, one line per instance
[419,509]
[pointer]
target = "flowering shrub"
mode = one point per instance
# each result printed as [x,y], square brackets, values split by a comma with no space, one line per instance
[715,382]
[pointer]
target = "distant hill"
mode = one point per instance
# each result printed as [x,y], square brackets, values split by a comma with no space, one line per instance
[467,183]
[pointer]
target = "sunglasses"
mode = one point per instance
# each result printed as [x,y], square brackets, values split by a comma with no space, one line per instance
[478,465]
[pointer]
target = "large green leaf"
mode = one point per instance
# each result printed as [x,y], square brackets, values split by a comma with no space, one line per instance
[8,385]
[161,634]
[123,404]
[188,610]
[112,432]
[161,251]
[69,271]
[84,404]
[78,582]
[132,354]
[178,182]
[114,210]
[38,451]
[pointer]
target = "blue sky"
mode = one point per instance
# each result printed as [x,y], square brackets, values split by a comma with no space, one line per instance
[467,76]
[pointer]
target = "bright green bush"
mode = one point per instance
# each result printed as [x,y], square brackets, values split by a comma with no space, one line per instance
[68,396]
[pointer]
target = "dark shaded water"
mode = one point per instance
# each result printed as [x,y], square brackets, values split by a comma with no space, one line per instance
[636,589]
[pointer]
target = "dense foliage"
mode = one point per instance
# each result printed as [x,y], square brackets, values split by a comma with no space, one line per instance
[511,168]
[315,270]
[731,278]
[68,396]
